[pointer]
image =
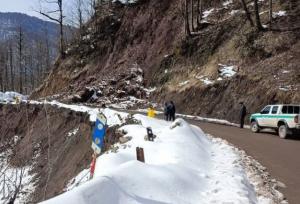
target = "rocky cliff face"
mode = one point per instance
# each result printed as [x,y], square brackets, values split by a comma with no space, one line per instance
[209,73]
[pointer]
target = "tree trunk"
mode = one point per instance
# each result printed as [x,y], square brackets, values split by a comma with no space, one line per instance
[257,17]
[248,15]
[61,17]
[6,71]
[20,46]
[58,20]
[79,15]
[192,14]
[1,73]
[48,63]
[271,12]
[199,12]
[187,25]
[12,74]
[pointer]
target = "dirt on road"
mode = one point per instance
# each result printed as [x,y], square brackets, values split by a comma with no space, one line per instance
[279,156]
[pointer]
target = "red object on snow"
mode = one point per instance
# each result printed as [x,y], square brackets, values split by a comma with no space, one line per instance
[93,166]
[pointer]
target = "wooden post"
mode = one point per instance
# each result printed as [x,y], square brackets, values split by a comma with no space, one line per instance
[140,154]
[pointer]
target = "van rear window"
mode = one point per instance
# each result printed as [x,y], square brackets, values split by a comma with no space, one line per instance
[297,109]
[291,109]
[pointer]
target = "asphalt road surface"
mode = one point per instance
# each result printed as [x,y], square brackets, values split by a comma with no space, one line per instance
[281,157]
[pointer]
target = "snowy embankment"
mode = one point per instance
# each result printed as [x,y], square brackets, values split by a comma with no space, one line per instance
[113,117]
[182,165]
[10,96]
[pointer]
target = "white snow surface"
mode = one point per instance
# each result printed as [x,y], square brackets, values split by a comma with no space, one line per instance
[126,1]
[184,83]
[205,80]
[226,3]
[206,13]
[113,117]
[10,96]
[181,166]
[10,177]
[279,14]
[233,12]
[227,71]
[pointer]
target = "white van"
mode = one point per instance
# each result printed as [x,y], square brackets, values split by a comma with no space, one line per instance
[285,119]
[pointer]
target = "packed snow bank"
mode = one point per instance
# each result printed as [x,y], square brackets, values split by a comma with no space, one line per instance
[113,117]
[181,166]
[8,97]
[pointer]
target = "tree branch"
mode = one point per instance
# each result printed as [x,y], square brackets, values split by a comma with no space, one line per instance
[48,16]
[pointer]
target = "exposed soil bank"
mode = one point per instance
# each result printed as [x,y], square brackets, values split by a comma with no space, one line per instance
[54,141]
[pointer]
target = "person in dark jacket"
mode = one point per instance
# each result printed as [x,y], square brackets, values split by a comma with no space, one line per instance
[172,111]
[243,113]
[166,111]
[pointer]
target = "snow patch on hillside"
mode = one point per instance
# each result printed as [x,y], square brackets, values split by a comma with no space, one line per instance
[205,80]
[227,71]
[12,178]
[126,1]
[279,14]
[227,3]
[10,96]
[184,83]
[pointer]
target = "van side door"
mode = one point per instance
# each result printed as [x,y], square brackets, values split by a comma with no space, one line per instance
[273,119]
[264,114]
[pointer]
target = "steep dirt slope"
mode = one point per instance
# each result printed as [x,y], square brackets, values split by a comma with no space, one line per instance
[116,40]
[27,131]
[150,35]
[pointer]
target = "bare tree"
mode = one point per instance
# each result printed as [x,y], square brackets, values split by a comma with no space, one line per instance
[20,54]
[59,20]
[248,15]
[79,6]
[6,71]
[11,65]
[271,12]
[187,25]
[200,11]
[46,53]
[90,8]
[257,17]
[192,15]
[1,72]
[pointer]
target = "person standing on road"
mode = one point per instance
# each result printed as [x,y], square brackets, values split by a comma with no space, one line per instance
[172,111]
[166,111]
[243,113]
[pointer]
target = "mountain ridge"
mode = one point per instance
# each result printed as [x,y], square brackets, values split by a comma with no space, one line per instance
[11,21]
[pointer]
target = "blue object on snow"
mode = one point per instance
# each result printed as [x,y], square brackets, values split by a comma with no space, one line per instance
[99,132]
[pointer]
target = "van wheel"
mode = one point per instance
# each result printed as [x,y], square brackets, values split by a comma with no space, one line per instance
[282,131]
[254,127]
